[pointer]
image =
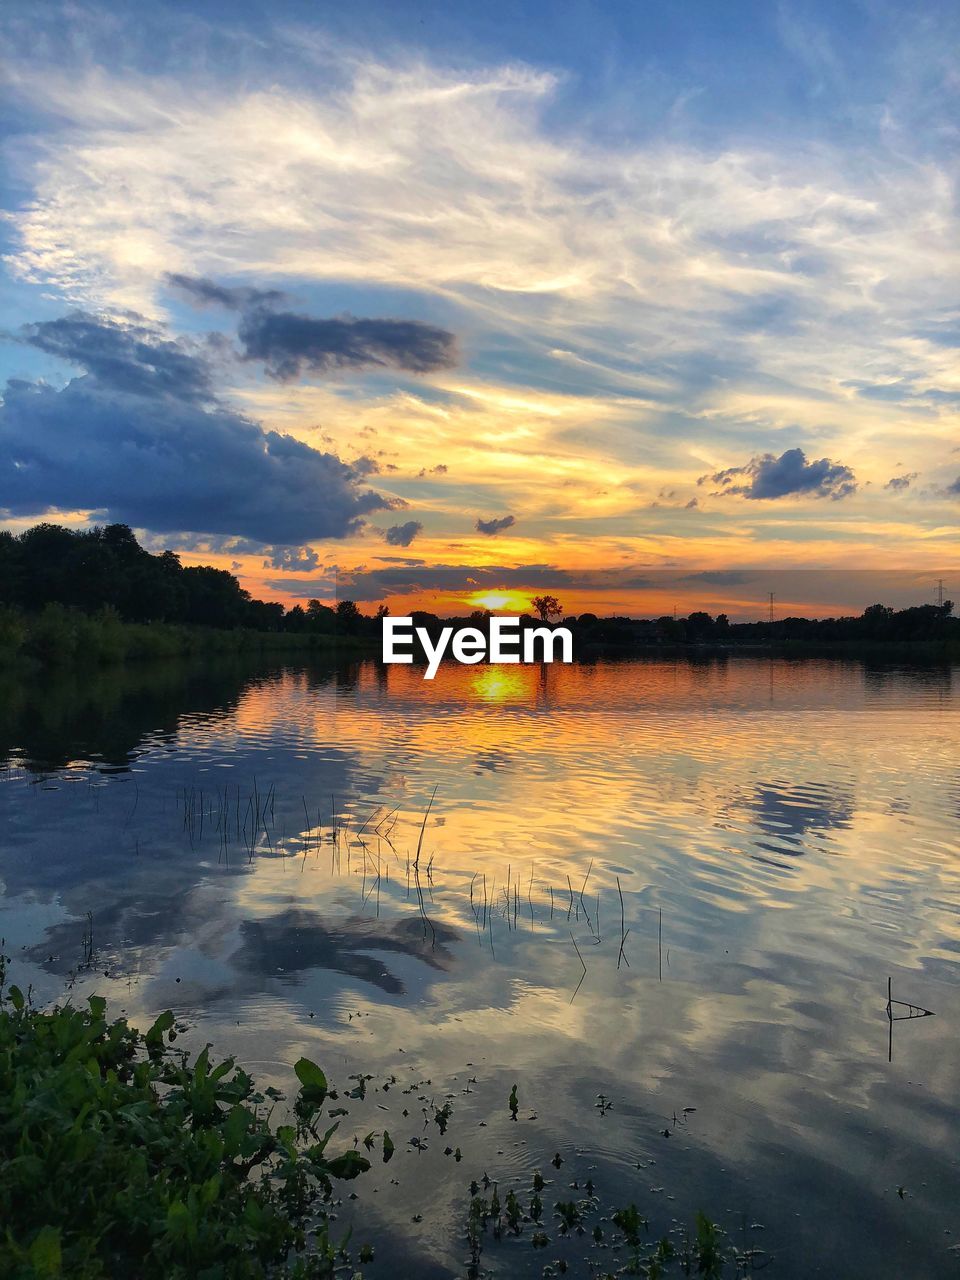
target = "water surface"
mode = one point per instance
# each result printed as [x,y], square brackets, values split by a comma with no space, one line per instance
[742,852]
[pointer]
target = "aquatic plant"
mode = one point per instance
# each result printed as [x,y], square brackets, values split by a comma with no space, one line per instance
[120,1156]
[621,1233]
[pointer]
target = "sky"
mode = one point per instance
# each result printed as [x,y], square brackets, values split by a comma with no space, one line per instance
[641,304]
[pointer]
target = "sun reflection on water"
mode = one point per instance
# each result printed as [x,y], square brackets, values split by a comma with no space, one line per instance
[499,684]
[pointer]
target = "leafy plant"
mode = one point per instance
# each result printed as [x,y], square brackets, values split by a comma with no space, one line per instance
[705,1251]
[119,1157]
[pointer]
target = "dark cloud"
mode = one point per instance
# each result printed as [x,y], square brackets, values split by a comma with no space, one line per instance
[839,592]
[495,526]
[292,559]
[720,577]
[954,489]
[165,465]
[440,469]
[130,356]
[207,293]
[290,344]
[768,477]
[141,439]
[413,577]
[366,466]
[899,483]
[401,535]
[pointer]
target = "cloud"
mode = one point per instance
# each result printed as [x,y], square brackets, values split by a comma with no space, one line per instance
[954,489]
[900,483]
[365,465]
[826,593]
[207,293]
[718,288]
[203,544]
[292,559]
[130,356]
[496,525]
[290,344]
[768,477]
[719,577]
[412,577]
[401,535]
[141,439]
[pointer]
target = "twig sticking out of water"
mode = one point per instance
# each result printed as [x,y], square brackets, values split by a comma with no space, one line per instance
[87,942]
[428,923]
[423,826]
[913,1011]
[623,929]
[580,958]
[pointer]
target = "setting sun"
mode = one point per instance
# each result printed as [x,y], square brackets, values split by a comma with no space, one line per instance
[515,601]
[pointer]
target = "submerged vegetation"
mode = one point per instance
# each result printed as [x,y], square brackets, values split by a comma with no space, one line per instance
[619,1238]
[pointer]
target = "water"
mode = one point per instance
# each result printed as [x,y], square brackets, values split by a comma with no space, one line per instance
[785,836]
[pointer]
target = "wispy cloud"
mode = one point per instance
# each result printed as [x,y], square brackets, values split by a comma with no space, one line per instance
[208,293]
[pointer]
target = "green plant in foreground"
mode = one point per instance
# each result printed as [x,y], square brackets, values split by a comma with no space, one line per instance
[120,1158]
[621,1233]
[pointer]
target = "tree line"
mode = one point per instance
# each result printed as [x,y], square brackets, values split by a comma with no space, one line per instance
[105,568]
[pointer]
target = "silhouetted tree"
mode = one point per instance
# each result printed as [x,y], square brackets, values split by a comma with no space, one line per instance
[547,607]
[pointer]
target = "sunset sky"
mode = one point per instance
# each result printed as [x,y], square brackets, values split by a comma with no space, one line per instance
[437,302]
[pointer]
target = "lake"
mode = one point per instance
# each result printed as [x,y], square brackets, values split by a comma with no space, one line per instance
[664,898]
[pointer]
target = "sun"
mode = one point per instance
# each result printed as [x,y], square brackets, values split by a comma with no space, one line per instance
[515,601]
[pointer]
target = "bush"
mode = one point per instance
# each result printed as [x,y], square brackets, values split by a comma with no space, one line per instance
[53,634]
[13,633]
[120,1157]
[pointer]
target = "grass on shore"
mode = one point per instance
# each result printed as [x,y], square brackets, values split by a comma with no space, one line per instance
[58,635]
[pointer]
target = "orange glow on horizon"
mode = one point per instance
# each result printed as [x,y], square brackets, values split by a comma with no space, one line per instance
[496,601]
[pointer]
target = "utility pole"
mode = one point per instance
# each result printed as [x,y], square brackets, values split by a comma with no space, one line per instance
[771,606]
[940,593]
